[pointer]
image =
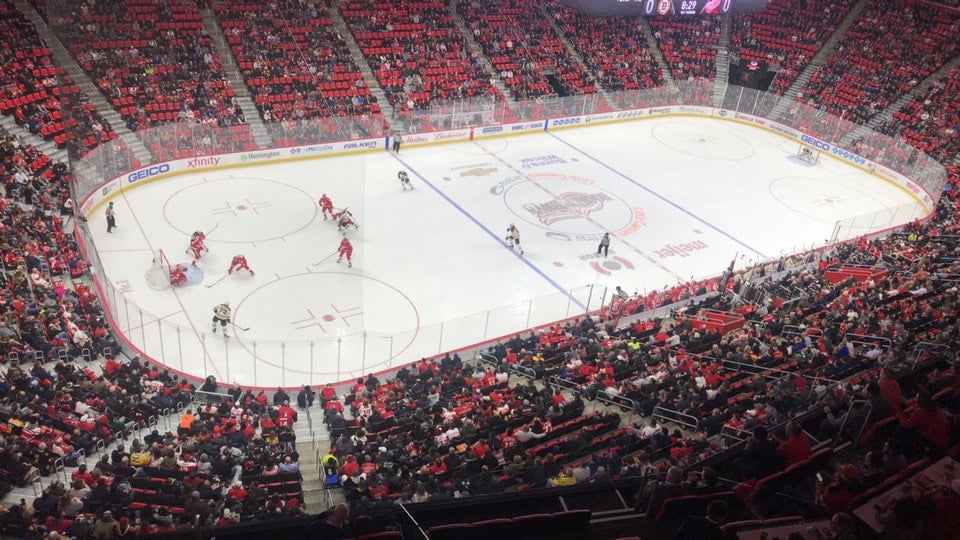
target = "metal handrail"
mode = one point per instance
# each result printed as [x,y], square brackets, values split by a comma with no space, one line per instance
[940,348]
[487,358]
[846,418]
[565,384]
[869,340]
[617,401]
[676,417]
[523,371]
[794,330]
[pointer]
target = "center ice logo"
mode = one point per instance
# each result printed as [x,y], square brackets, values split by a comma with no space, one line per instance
[569,205]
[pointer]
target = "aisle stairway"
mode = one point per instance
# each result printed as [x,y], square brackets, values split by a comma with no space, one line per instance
[239,86]
[886,115]
[793,91]
[64,59]
[668,79]
[722,63]
[312,441]
[368,77]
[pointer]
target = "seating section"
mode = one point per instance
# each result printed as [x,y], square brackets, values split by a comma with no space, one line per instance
[525,53]
[860,78]
[931,120]
[157,65]
[308,76]
[688,44]
[31,90]
[614,49]
[787,34]
[418,56]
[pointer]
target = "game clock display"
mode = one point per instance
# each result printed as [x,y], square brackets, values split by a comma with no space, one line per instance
[633,8]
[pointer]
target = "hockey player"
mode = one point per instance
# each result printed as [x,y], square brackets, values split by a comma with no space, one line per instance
[178,275]
[326,206]
[221,314]
[404,180]
[513,237]
[239,262]
[345,219]
[345,250]
[197,245]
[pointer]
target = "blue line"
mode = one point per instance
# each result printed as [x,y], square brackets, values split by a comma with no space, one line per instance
[492,234]
[657,195]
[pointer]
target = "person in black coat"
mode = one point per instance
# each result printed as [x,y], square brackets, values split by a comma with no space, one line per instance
[305,397]
[707,527]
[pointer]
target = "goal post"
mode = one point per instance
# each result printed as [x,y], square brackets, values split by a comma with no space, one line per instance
[808,154]
[158,275]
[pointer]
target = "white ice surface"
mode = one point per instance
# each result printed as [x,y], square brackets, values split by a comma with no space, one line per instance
[680,197]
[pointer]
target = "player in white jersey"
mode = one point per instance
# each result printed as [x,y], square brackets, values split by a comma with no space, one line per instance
[404,180]
[513,237]
[345,219]
[221,315]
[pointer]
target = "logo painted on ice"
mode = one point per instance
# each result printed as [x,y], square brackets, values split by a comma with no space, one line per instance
[683,249]
[541,161]
[479,171]
[569,205]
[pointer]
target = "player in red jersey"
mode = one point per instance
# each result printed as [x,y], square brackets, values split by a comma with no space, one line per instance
[239,262]
[345,250]
[326,206]
[178,276]
[196,245]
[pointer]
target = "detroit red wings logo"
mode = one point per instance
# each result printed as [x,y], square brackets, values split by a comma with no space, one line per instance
[569,205]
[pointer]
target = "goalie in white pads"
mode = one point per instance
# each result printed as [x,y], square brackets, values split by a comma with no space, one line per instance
[513,237]
[404,180]
[221,315]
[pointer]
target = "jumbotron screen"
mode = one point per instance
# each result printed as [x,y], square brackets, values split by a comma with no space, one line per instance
[634,8]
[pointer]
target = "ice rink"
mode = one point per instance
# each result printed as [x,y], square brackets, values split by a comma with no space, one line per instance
[680,197]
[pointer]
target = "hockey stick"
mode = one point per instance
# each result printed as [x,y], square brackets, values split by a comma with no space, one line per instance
[215,225]
[327,257]
[217,281]
[240,327]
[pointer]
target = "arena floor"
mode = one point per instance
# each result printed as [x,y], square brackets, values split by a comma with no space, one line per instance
[680,196]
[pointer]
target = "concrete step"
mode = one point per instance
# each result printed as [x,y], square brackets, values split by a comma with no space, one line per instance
[311,484]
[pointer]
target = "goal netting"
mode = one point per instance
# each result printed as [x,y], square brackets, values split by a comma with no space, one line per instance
[809,154]
[158,276]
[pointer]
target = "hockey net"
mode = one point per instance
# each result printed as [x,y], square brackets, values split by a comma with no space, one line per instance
[158,276]
[809,154]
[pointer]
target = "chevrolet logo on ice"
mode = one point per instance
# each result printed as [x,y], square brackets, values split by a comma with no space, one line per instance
[479,171]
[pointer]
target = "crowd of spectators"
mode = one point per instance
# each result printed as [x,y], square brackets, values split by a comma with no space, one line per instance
[524,51]
[613,48]
[40,96]
[300,71]
[689,45]
[157,65]
[931,121]
[860,78]
[787,34]
[418,56]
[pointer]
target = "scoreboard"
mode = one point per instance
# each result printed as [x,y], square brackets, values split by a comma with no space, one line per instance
[643,8]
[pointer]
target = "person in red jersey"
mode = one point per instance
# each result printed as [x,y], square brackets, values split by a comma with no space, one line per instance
[345,250]
[178,276]
[239,262]
[197,245]
[326,206]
